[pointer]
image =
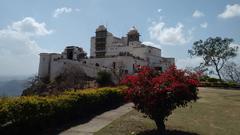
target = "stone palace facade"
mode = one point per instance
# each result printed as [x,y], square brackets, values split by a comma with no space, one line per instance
[113,54]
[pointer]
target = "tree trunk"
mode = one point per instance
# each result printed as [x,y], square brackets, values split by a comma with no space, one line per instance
[160,126]
[218,72]
[219,75]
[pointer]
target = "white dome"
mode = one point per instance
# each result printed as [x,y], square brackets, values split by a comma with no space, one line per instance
[101,28]
[133,30]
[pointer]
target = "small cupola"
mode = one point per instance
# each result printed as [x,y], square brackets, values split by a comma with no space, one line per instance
[132,31]
[133,35]
[101,28]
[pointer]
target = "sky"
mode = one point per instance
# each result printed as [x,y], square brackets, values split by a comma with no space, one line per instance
[29,27]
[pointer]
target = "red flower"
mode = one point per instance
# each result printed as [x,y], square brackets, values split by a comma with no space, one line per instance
[158,94]
[193,82]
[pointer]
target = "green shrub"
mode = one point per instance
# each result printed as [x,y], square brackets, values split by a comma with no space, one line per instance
[213,80]
[232,84]
[33,112]
[104,78]
[219,84]
[204,78]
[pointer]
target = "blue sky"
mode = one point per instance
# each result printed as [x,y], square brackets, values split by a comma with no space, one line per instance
[28,27]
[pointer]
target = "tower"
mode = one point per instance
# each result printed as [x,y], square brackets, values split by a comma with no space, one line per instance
[44,65]
[133,35]
[101,41]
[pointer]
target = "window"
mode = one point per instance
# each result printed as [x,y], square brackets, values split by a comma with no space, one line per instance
[158,68]
[100,54]
[114,65]
[70,54]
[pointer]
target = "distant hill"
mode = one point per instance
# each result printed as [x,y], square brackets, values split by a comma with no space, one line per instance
[12,87]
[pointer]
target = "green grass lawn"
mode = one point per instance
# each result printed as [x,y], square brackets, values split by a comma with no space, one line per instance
[217,112]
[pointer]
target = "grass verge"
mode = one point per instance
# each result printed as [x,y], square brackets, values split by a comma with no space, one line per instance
[217,112]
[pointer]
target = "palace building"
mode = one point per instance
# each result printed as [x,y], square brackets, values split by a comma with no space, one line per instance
[116,55]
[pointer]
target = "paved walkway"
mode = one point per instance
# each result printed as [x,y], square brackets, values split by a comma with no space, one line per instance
[98,122]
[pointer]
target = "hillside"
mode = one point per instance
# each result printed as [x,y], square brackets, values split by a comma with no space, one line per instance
[12,87]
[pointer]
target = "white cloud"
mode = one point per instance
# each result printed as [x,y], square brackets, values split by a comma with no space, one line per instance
[159,10]
[77,9]
[15,43]
[204,25]
[230,11]
[168,35]
[198,14]
[18,52]
[29,26]
[60,11]
[237,58]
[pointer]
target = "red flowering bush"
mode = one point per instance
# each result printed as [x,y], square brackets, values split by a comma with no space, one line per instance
[158,94]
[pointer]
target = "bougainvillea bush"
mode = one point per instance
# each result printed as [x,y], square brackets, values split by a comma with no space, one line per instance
[158,94]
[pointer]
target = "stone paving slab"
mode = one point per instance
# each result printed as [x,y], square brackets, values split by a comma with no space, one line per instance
[99,121]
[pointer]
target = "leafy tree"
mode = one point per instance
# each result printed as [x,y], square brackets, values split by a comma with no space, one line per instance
[104,78]
[214,51]
[157,95]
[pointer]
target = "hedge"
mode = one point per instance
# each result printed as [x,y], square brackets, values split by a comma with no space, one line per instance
[26,113]
[219,84]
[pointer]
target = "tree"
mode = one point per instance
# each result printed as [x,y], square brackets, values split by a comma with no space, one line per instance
[214,51]
[231,72]
[73,77]
[119,72]
[35,86]
[157,95]
[198,69]
[104,78]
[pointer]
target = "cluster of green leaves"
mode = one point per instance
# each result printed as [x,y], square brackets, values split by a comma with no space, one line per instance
[215,52]
[29,112]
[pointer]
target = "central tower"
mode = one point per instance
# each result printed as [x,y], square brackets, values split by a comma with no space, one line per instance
[100,41]
[133,35]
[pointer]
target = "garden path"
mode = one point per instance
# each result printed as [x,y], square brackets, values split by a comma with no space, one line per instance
[98,122]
